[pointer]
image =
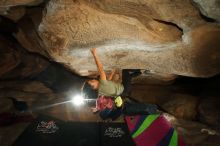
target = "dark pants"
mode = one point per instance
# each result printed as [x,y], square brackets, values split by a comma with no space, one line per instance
[129,109]
[136,108]
[110,113]
[127,75]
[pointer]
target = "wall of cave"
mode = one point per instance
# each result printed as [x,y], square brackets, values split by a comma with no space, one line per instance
[45,58]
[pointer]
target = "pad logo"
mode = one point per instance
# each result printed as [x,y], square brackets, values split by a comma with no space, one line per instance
[47,127]
[114,132]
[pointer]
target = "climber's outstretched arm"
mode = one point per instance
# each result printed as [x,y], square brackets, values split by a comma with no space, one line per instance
[98,64]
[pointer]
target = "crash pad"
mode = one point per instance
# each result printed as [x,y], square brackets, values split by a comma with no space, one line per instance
[47,130]
[153,130]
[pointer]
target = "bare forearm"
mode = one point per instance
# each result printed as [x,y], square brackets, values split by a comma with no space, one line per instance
[99,66]
[98,63]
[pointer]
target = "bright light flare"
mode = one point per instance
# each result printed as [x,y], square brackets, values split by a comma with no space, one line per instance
[77,100]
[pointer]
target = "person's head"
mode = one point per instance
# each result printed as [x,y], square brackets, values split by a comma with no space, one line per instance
[93,83]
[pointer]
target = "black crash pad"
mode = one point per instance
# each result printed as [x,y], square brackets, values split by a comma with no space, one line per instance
[47,130]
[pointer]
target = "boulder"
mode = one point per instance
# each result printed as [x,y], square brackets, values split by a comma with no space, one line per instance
[29,66]
[172,99]
[181,106]
[153,35]
[17,63]
[153,78]
[210,8]
[209,111]
[10,58]
[27,33]
[11,3]
[194,133]
[13,13]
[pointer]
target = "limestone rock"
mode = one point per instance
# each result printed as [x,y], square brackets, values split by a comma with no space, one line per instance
[164,37]
[34,93]
[10,58]
[13,13]
[6,105]
[194,133]
[28,66]
[153,78]
[210,8]
[26,86]
[16,63]
[146,34]
[181,106]
[209,111]
[11,3]
[177,12]
[27,33]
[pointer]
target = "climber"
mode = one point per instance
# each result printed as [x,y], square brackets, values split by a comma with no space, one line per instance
[109,103]
[109,92]
[107,87]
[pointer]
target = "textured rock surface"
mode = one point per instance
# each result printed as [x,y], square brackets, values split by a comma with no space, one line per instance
[181,106]
[191,99]
[10,58]
[14,13]
[194,133]
[161,36]
[11,3]
[27,33]
[16,63]
[154,78]
[210,8]
[168,38]
[207,111]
